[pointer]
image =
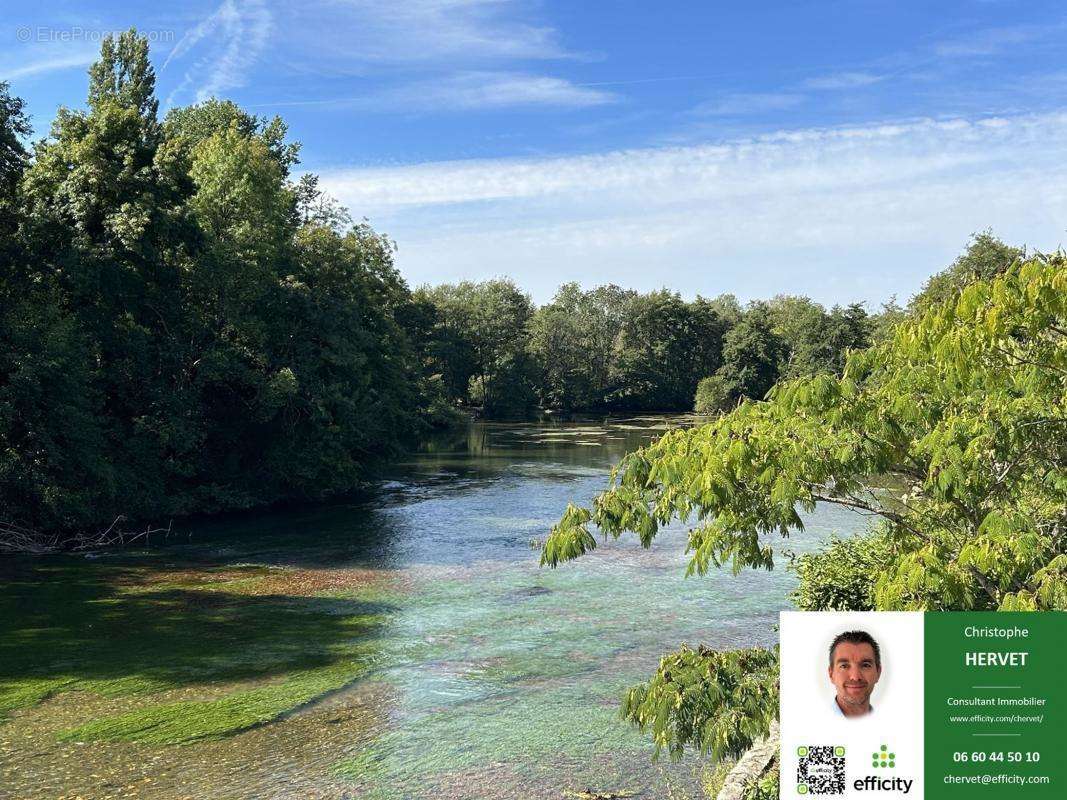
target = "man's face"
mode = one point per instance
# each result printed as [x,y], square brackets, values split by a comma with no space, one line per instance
[854,673]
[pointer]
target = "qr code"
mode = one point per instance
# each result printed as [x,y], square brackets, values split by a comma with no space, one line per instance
[821,769]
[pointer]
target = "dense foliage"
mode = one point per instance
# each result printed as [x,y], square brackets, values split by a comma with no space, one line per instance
[838,577]
[719,700]
[963,408]
[611,349]
[184,328]
[478,343]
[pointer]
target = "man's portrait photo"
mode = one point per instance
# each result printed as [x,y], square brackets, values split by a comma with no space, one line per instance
[855,667]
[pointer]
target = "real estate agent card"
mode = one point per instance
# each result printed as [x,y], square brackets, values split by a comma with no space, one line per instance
[937,705]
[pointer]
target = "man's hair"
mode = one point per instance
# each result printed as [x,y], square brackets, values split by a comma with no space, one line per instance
[856,637]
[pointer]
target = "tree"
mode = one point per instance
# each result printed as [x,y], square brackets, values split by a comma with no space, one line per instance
[802,325]
[846,329]
[966,405]
[485,325]
[986,257]
[124,76]
[441,339]
[14,127]
[53,449]
[316,207]
[199,122]
[752,354]
[102,211]
[881,325]
[728,308]
[184,330]
[572,341]
[341,384]
[665,346]
[714,394]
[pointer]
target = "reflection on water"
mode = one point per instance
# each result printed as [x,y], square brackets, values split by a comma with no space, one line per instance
[490,677]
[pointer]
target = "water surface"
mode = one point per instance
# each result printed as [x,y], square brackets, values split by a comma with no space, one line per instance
[480,675]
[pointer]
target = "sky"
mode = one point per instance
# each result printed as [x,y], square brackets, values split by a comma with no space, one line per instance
[842,150]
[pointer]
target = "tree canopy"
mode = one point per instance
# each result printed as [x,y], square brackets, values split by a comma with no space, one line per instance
[952,433]
[183,328]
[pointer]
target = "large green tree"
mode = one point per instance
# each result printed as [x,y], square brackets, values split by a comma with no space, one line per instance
[665,346]
[104,226]
[54,449]
[183,328]
[814,340]
[753,354]
[985,257]
[963,411]
[201,121]
[483,327]
[14,129]
[573,343]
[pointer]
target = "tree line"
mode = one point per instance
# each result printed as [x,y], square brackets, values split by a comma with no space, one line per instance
[185,327]
[609,349]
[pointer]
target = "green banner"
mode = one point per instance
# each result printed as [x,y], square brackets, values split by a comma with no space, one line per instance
[995,705]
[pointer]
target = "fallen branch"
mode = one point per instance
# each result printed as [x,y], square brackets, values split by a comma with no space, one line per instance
[15,538]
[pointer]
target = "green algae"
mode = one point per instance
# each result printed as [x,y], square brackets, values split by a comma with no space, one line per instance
[187,721]
[22,693]
[491,678]
[100,629]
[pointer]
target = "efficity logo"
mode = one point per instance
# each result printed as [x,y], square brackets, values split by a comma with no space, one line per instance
[883,759]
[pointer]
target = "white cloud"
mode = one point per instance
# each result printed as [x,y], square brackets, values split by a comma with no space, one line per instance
[42,58]
[357,33]
[842,80]
[743,103]
[230,41]
[467,91]
[469,47]
[990,41]
[839,214]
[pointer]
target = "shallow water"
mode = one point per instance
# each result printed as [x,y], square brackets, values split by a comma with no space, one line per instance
[486,676]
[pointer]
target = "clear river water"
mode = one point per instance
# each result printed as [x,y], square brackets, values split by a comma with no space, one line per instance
[487,675]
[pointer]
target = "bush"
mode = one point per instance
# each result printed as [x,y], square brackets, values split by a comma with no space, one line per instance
[714,394]
[840,577]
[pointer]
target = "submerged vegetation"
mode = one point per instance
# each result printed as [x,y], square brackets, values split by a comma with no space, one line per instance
[223,662]
[69,626]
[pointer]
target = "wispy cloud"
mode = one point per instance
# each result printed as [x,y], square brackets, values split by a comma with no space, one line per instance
[358,33]
[860,212]
[991,41]
[842,80]
[470,91]
[455,54]
[39,59]
[743,103]
[230,41]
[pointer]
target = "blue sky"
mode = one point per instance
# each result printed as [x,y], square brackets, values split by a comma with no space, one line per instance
[844,150]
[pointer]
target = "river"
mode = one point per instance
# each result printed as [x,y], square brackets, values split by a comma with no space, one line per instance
[402,645]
